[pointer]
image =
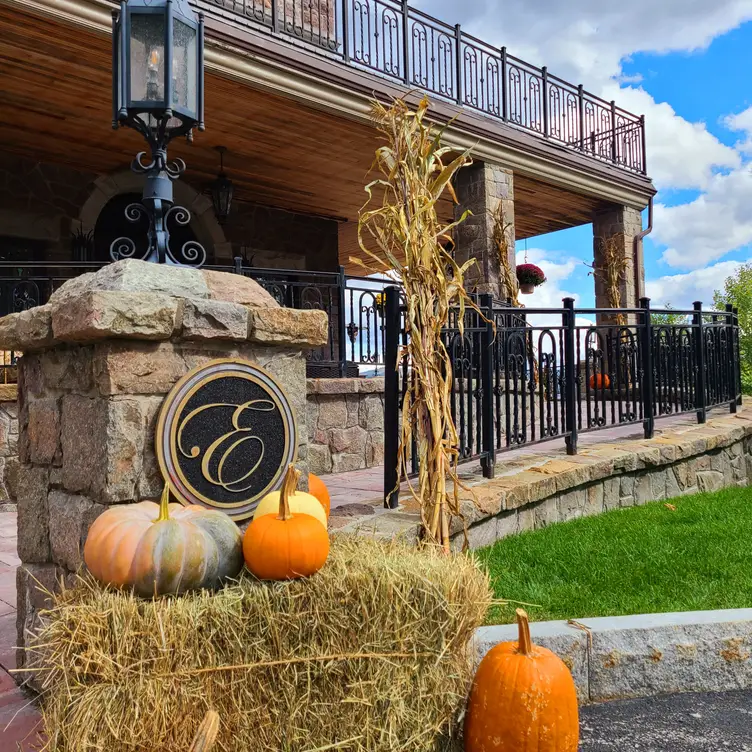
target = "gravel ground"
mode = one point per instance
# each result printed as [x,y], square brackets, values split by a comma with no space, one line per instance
[703,722]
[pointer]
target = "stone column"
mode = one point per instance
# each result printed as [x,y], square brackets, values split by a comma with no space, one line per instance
[484,189]
[98,361]
[616,226]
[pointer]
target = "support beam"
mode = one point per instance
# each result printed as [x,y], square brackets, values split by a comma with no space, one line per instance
[484,189]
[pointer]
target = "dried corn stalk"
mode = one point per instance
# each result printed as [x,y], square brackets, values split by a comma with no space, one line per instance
[612,271]
[507,276]
[403,233]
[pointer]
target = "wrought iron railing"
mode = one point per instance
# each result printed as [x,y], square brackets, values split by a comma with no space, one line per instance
[356,339]
[524,376]
[404,44]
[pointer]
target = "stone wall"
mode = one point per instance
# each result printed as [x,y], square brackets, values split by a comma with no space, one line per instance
[531,491]
[98,361]
[345,424]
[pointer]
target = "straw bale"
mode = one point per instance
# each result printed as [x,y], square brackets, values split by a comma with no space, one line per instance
[369,654]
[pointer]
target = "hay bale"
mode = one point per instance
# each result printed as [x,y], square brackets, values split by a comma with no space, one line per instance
[369,654]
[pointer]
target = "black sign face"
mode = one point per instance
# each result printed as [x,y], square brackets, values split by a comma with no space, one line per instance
[225,435]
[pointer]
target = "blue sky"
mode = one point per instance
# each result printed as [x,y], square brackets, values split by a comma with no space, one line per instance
[702,86]
[687,66]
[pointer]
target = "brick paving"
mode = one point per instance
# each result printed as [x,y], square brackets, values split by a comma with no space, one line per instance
[19,716]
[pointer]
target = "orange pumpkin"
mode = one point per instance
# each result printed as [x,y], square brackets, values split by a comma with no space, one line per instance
[163,548]
[287,545]
[317,488]
[600,381]
[523,699]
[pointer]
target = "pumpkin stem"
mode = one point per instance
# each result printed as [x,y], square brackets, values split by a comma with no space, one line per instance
[525,646]
[289,486]
[164,501]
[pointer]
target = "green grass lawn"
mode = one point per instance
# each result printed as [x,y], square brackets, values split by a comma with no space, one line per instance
[639,560]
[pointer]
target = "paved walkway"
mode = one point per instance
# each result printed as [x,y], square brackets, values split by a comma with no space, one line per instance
[703,722]
[367,486]
[19,716]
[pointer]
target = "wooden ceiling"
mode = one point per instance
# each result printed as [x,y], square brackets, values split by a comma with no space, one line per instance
[55,106]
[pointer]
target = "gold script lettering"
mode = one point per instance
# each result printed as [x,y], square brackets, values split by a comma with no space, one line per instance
[237,436]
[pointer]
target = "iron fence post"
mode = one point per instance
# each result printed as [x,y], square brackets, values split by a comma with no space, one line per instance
[391,396]
[345,31]
[341,328]
[647,387]
[274,15]
[613,131]
[581,110]
[544,71]
[405,41]
[733,365]
[238,263]
[570,389]
[504,110]
[458,45]
[699,363]
[738,357]
[488,461]
[644,146]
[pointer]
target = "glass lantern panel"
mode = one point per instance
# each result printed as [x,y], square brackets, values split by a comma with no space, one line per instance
[184,63]
[147,57]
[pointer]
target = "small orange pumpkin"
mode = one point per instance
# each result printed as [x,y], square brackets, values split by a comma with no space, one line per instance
[317,488]
[285,546]
[600,381]
[523,699]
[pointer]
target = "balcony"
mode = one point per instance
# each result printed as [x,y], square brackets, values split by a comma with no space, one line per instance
[404,45]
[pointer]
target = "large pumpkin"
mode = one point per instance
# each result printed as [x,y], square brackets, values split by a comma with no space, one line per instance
[289,544]
[317,488]
[163,548]
[523,699]
[298,501]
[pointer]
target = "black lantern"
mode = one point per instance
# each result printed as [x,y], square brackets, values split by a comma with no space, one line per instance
[158,90]
[221,190]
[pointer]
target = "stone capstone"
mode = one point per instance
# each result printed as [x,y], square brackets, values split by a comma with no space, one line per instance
[211,319]
[289,326]
[106,315]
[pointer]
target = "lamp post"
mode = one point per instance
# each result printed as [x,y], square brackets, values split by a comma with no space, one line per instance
[158,90]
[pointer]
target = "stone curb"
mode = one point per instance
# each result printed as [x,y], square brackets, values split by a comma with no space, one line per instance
[624,657]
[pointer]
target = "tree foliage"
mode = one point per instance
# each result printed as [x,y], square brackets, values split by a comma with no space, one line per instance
[737,290]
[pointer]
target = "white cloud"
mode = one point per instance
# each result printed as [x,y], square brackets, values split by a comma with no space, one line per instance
[741,121]
[671,138]
[681,290]
[550,293]
[706,229]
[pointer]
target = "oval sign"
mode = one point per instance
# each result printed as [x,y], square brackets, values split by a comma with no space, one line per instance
[225,435]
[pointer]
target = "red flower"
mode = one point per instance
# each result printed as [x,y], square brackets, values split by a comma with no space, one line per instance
[530,274]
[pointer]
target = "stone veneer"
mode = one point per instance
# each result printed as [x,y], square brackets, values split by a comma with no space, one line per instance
[345,424]
[531,491]
[98,361]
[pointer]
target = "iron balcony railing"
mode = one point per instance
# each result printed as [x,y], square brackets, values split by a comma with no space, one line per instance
[525,376]
[409,46]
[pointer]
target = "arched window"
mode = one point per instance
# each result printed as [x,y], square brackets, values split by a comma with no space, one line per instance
[112,224]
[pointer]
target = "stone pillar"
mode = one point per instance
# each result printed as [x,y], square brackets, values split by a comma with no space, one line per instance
[98,361]
[618,227]
[484,189]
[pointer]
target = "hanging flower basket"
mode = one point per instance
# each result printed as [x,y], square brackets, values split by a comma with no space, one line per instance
[529,276]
